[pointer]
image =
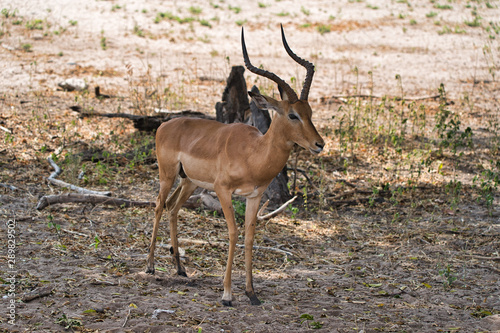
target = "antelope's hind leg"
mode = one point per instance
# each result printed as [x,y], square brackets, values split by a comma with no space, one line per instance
[252,206]
[166,183]
[174,203]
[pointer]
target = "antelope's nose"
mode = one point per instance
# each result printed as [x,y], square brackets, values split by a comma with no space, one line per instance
[320,145]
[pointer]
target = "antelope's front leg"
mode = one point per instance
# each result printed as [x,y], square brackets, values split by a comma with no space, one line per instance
[227,208]
[252,206]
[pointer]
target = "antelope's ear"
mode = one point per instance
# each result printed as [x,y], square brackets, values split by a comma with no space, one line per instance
[266,102]
[284,96]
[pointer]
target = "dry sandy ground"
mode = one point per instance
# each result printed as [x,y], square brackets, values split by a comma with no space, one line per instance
[354,269]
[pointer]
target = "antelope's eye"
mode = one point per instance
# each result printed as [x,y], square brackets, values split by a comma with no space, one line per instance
[292,116]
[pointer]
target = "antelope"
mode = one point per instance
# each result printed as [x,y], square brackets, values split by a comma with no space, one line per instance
[232,159]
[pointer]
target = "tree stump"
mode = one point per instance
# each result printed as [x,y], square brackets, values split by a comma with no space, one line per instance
[234,105]
[236,108]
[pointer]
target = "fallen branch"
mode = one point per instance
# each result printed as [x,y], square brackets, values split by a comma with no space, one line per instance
[482,257]
[5,129]
[142,123]
[267,248]
[128,315]
[10,187]
[57,171]
[37,293]
[196,201]
[204,200]
[273,213]
[90,198]
[75,233]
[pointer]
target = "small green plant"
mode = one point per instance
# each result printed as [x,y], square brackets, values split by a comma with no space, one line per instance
[73,22]
[488,183]
[294,210]
[115,8]
[324,28]
[283,14]
[195,10]
[444,7]
[236,10]
[310,321]
[474,23]
[8,13]
[36,24]
[262,5]
[239,211]
[138,31]
[68,323]
[305,11]
[27,47]
[448,275]
[104,44]
[240,22]
[96,243]
[205,23]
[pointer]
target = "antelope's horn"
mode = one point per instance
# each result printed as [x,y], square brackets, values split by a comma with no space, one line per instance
[308,66]
[290,93]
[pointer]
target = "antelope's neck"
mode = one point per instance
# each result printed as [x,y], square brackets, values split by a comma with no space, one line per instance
[277,147]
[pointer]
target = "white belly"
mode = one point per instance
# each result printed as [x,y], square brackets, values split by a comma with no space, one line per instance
[251,194]
[205,185]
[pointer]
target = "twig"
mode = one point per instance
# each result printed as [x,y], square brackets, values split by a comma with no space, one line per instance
[277,211]
[126,318]
[57,169]
[90,198]
[97,282]
[482,257]
[57,182]
[5,129]
[263,208]
[37,293]
[158,311]
[267,248]
[75,233]
[10,187]
[304,173]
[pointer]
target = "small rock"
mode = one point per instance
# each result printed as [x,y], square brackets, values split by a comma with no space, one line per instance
[73,84]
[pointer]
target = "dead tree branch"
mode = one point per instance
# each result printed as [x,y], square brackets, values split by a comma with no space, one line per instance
[275,212]
[48,200]
[143,123]
[60,183]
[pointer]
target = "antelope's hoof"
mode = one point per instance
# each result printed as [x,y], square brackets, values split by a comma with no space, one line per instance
[150,270]
[182,273]
[227,303]
[253,298]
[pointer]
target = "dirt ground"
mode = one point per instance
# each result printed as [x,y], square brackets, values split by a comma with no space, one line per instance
[397,228]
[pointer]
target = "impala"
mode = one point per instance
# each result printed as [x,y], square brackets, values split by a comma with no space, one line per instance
[232,158]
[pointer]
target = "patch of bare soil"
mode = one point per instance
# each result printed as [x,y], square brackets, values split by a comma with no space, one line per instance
[397,227]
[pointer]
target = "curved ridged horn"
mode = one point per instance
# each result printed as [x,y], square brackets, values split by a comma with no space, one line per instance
[290,93]
[308,66]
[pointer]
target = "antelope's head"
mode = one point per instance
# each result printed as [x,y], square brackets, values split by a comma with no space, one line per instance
[294,113]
